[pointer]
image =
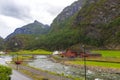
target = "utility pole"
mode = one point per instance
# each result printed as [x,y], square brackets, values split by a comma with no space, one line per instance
[16,44]
[84,61]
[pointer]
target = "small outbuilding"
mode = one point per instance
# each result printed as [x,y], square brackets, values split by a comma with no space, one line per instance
[79,53]
[56,53]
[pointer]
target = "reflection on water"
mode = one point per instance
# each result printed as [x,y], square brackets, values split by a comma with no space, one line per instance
[44,63]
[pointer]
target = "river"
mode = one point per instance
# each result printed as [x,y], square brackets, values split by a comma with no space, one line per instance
[15,74]
[44,63]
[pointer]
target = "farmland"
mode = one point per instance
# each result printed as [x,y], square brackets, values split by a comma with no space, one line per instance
[109,59]
[39,51]
[108,53]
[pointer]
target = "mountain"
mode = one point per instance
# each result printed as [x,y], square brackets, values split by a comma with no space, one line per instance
[60,21]
[100,20]
[95,22]
[32,28]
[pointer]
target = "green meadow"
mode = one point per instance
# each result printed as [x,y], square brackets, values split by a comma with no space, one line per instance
[108,53]
[40,52]
[96,64]
[109,59]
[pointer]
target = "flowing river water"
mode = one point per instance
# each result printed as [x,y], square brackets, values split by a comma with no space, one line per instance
[44,63]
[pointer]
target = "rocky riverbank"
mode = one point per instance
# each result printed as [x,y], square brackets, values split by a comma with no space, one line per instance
[98,69]
[37,74]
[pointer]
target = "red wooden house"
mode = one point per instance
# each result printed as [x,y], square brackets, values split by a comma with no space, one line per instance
[72,54]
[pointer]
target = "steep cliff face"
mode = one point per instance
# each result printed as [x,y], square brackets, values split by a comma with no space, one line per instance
[32,28]
[69,11]
[99,19]
[99,12]
[97,22]
[65,15]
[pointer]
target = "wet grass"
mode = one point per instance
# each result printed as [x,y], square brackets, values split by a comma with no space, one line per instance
[108,53]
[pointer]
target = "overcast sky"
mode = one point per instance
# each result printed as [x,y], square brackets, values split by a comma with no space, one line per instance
[16,13]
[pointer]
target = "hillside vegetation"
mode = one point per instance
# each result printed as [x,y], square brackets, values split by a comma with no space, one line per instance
[2,46]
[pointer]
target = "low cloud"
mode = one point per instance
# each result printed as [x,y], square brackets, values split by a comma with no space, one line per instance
[15,10]
[53,10]
[16,13]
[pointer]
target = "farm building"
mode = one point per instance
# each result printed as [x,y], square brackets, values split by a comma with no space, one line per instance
[69,53]
[72,54]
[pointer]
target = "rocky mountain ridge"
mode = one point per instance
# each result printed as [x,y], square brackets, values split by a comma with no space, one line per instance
[97,21]
[100,20]
[32,28]
[67,13]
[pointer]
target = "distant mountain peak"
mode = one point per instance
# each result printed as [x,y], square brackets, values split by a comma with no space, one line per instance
[31,28]
[36,21]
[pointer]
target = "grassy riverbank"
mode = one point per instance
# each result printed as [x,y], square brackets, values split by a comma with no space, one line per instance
[96,64]
[110,60]
[40,52]
[39,74]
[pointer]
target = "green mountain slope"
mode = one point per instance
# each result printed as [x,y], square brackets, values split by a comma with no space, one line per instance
[26,37]
[95,24]
[100,20]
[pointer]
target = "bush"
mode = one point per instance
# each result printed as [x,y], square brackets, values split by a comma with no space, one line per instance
[5,72]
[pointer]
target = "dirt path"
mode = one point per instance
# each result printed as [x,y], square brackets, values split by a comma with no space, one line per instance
[18,76]
[46,75]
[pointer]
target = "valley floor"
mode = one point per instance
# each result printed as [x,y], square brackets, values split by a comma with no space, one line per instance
[38,74]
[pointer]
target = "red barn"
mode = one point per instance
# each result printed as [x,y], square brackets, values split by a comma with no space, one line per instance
[72,54]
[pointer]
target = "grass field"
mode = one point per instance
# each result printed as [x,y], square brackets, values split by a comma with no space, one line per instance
[108,53]
[40,51]
[100,64]
[110,56]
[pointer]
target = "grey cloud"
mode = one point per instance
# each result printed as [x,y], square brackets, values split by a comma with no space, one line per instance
[14,10]
[54,11]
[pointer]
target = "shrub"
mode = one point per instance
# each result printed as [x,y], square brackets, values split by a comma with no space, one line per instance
[5,72]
